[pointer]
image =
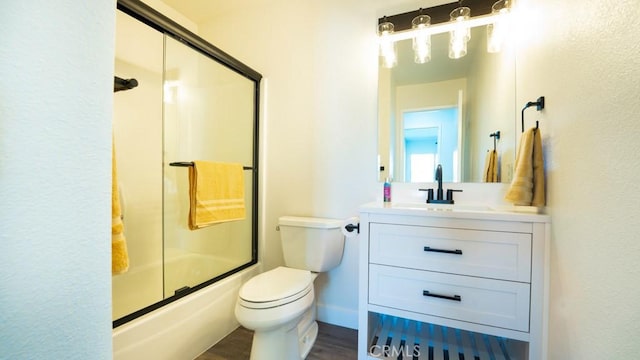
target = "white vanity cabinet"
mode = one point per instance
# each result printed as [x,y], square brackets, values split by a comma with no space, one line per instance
[439,284]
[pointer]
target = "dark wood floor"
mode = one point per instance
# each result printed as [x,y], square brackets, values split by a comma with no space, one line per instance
[333,343]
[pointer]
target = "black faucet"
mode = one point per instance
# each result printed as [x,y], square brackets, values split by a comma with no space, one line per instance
[440,199]
[439,180]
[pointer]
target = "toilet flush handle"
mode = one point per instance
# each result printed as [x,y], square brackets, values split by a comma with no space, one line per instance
[351,227]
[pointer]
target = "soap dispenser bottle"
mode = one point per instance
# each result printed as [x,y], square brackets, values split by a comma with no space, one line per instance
[386,195]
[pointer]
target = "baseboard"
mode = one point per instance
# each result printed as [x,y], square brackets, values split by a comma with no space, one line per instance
[337,316]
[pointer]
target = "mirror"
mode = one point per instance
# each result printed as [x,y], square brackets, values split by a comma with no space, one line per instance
[444,111]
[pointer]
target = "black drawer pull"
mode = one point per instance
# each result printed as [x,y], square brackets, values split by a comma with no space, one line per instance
[457,252]
[446,297]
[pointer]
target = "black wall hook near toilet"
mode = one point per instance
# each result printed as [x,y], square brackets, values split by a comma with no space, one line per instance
[539,104]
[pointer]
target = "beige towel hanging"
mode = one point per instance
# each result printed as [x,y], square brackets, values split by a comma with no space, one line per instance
[491,167]
[527,186]
[119,254]
[216,193]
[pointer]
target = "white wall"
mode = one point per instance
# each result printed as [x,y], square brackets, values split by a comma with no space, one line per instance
[56,68]
[319,59]
[583,57]
[320,143]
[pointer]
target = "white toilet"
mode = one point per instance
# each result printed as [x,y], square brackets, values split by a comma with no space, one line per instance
[279,305]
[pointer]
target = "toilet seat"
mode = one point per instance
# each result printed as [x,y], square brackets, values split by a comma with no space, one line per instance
[276,287]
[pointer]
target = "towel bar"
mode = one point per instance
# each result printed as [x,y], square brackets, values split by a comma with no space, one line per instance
[190,163]
[539,106]
[495,136]
[120,84]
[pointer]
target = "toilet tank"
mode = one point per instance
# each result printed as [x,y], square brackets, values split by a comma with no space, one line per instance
[314,244]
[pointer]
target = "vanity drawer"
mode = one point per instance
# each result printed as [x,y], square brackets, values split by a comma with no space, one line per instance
[498,303]
[489,254]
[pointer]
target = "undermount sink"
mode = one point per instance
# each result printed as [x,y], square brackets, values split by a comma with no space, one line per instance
[442,207]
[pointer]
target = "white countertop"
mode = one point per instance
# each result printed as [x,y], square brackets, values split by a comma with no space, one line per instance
[461,211]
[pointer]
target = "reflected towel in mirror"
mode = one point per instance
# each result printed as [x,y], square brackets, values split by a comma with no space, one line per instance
[491,167]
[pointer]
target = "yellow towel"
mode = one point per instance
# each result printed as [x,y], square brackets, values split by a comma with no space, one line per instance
[216,193]
[491,167]
[527,186]
[119,255]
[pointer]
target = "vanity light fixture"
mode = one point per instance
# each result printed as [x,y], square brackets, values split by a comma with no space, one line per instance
[421,39]
[453,18]
[497,31]
[461,33]
[388,49]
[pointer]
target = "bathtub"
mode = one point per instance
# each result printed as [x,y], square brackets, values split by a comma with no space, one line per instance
[188,326]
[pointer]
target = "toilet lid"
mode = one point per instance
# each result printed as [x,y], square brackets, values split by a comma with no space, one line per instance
[276,284]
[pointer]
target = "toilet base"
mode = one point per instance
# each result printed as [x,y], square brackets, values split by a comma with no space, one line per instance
[292,341]
[308,338]
[284,332]
[307,331]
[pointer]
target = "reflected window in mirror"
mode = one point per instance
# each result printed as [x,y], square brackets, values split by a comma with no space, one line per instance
[430,137]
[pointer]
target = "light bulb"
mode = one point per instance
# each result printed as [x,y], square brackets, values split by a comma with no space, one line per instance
[388,50]
[421,39]
[497,32]
[460,34]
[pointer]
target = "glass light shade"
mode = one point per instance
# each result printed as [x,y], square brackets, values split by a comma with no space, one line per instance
[388,50]
[421,39]
[461,34]
[457,48]
[497,32]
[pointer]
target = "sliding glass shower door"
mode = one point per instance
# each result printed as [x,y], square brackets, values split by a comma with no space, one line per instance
[191,103]
[209,116]
[137,138]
